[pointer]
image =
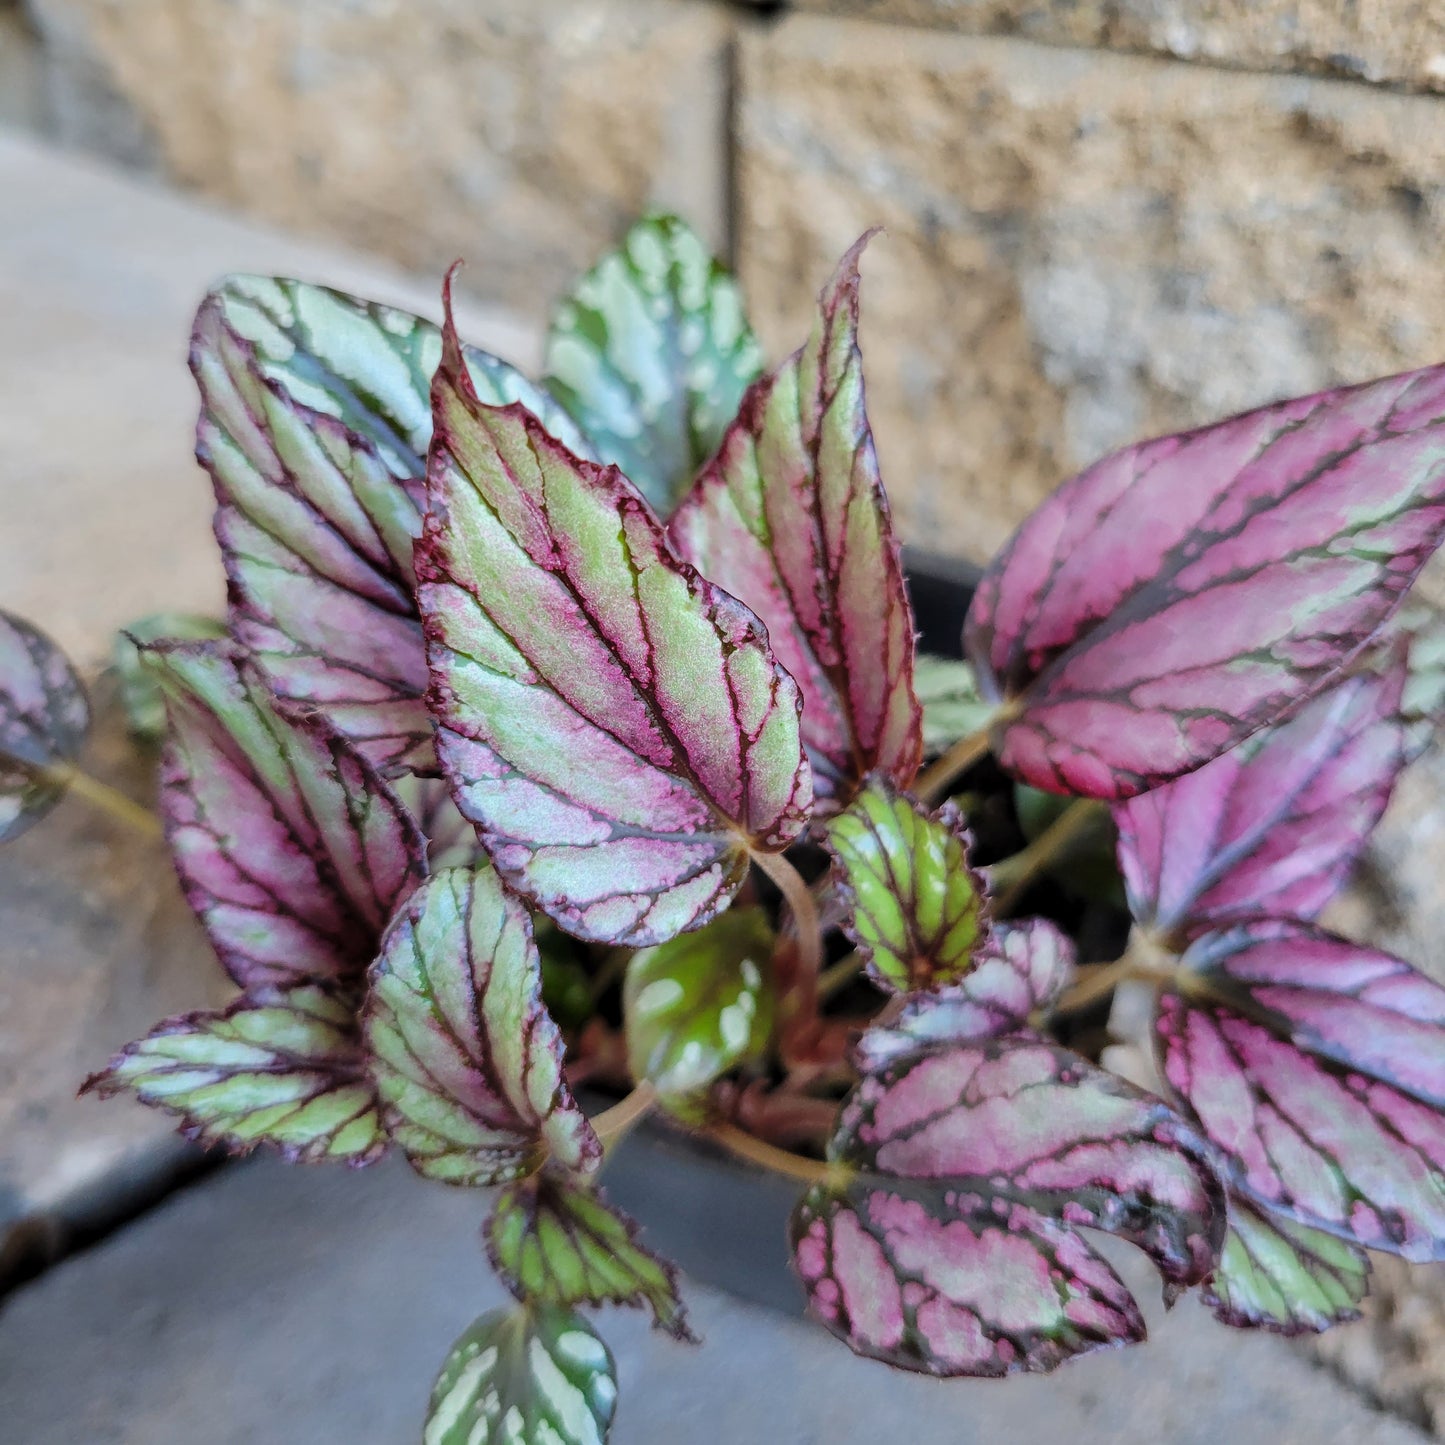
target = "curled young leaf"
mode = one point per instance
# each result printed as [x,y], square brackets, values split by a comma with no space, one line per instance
[44,717]
[918,907]
[1183,593]
[560,1243]
[466,1060]
[1313,1067]
[140,691]
[1276,824]
[279,1066]
[315,422]
[290,847]
[953,705]
[698,1006]
[790,516]
[1019,971]
[651,353]
[951,1248]
[1278,1275]
[533,1373]
[613,724]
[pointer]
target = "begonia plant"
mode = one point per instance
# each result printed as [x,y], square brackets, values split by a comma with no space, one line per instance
[572,732]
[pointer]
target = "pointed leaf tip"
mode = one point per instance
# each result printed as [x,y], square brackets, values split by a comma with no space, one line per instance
[791,517]
[44,719]
[615,726]
[1183,593]
[466,1059]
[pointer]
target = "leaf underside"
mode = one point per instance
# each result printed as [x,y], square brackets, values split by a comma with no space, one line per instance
[524,1376]
[315,421]
[1179,595]
[291,849]
[563,1244]
[651,353]
[791,517]
[1317,1069]
[917,906]
[44,717]
[279,1066]
[466,1060]
[614,725]
[952,1250]
[1275,825]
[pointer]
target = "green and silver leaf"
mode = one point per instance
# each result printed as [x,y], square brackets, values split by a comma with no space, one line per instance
[141,694]
[953,706]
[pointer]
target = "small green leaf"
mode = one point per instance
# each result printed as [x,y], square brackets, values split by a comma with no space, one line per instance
[953,706]
[918,907]
[1279,1275]
[698,1006]
[141,694]
[1087,865]
[279,1066]
[534,1375]
[466,1059]
[651,354]
[561,1244]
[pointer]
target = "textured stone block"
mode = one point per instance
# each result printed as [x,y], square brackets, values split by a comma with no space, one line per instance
[1080,249]
[522,135]
[1394,41]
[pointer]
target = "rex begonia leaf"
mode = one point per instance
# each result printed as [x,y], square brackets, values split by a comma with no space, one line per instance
[44,717]
[140,690]
[1180,594]
[532,1375]
[1314,1067]
[614,725]
[466,1059]
[278,1066]
[1279,1275]
[699,1005]
[1423,705]
[790,516]
[651,352]
[953,706]
[917,906]
[315,422]
[561,1243]
[291,849]
[1276,824]
[953,1250]
[1019,971]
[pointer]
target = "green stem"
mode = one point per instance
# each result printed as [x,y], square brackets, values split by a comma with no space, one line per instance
[934,781]
[101,796]
[799,898]
[1093,983]
[839,975]
[1010,878]
[613,1125]
[770,1157]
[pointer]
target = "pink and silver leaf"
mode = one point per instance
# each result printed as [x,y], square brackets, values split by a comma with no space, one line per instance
[44,718]
[279,1067]
[466,1059]
[1183,593]
[1276,824]
[291,848]
[949,1246]
[614,725]
[790,516]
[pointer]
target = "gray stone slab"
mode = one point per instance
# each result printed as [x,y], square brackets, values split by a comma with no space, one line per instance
[105,517]
[286,1305]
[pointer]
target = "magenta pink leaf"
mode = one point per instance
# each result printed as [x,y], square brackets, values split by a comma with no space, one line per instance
[44,717]
[466,1059]
[279,1066]
[1276,824]
[790,516]
[1183,593]
[948,1244]
[614,725]
[1019,971]
[1314,1067]
[290,847]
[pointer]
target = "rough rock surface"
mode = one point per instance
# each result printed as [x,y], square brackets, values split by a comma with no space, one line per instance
[522,135]
[1080,249]
[1393,41]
